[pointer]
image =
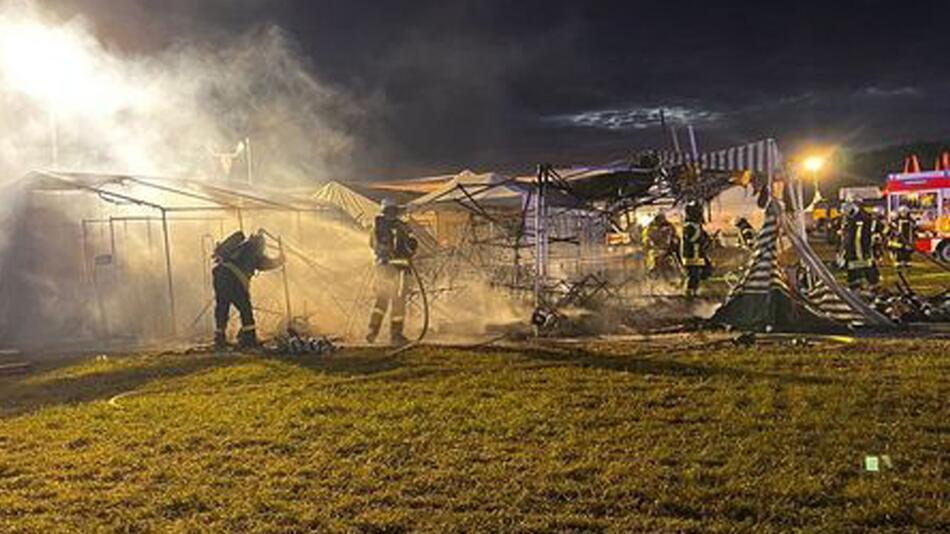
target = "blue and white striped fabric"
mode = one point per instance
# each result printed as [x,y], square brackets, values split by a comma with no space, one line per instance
[764,272]
[830,304]
[759,156]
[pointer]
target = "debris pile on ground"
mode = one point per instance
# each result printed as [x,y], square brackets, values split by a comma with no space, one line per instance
[294,343]
[908,307]
[298,338]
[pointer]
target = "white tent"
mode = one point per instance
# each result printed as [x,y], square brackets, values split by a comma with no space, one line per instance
[362,209]
[484,189]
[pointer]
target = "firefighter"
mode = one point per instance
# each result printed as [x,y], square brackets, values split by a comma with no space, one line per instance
[878,235]
[858,248]
[659,240]
[903,237]
[693,248]
[747,234]
[394,245]
[237,260]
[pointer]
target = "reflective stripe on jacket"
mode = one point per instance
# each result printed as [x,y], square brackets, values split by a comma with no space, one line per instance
[242,277]
[692,248]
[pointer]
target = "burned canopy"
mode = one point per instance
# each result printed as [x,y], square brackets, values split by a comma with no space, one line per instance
[107,257]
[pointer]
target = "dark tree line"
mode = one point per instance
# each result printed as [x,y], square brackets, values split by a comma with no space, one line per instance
[871,167]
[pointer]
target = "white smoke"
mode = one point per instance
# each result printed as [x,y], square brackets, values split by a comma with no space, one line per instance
[63,90]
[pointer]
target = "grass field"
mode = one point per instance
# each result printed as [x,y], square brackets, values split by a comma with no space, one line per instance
[664,435]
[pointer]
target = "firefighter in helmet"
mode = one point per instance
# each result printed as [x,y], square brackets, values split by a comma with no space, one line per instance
[236,260]
[693,246]
[394,246]
[903,237]
[747,233]
[857,240]
[878,235]
[659,240]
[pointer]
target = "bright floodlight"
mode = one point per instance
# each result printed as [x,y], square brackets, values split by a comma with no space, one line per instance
[38,61]
[59,68]
[814,163]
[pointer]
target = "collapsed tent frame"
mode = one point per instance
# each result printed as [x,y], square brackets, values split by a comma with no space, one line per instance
[219,199]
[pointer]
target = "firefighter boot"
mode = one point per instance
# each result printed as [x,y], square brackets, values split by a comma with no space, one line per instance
[395,334]
[247,338]
[375,323]
[220,340]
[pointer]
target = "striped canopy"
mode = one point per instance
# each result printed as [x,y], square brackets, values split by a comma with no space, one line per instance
[759,156]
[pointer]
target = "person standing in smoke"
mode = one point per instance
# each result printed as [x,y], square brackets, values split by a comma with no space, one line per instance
[903,237]
[878,235]
[659,241]
[237,260]
[857,241]
[693,247]
[393,245]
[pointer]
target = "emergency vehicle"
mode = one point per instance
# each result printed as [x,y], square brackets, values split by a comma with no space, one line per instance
[927,194]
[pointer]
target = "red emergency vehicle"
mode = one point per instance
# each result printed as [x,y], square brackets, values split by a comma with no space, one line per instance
[927,194]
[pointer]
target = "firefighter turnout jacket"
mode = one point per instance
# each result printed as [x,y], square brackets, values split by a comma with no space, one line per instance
[903,233]
[392,241]
[693,245]
[247,259]
[858,241]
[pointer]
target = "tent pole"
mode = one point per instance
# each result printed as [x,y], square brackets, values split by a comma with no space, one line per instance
[168,273]
[540,235]
[85,252]
[283,273]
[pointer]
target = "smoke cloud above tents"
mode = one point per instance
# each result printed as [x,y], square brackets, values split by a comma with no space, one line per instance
[71,101]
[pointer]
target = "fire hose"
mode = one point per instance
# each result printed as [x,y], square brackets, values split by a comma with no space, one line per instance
[425,314]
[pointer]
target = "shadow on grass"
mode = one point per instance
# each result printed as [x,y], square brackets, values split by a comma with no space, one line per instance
[663,365]
[23,395]
[346,363]
[368,365]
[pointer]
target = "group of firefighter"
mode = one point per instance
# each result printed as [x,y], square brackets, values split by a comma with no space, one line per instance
[864,239]
[865,236]
[238,258]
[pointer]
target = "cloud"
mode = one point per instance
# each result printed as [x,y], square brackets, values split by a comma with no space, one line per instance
[897,92]
[636,118]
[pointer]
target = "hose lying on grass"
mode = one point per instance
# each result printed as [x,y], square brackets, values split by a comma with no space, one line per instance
[425,315]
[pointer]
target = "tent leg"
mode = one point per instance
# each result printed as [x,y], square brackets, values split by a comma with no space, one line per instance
[85,253]
[283,272]
[168,274]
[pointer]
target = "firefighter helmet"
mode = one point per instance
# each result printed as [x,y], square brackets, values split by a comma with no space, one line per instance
[903,210]
[389,206]
[694,211]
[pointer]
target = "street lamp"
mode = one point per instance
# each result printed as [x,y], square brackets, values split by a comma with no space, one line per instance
[813,166]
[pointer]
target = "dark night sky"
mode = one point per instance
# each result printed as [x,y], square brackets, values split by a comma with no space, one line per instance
[504,84]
